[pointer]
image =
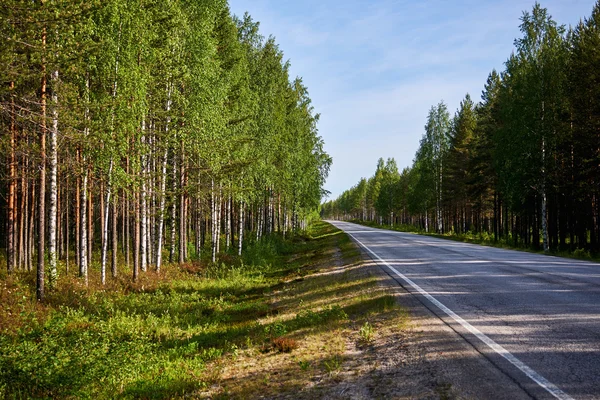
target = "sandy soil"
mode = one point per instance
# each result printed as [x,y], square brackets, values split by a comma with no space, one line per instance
[414,357]
[425,360]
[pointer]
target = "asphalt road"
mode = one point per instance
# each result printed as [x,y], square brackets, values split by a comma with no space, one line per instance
[535,317]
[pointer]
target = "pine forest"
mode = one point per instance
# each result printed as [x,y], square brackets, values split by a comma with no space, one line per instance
[521,166]
[139,133]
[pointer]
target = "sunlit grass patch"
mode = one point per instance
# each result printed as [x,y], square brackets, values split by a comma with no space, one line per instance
[280,320]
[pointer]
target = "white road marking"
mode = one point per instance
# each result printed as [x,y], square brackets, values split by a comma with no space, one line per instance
[537,378]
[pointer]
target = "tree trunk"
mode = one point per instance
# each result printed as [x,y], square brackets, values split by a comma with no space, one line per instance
[67,228]
[90,221]
[241,233]
[144,210]
[173,214]
[23,222]
[83,239]
[115,239]
[127,216]
[105,226]
[228,222]
[182,211]
[213,221]
[218,220]
[136,239]
[83,212]
[544,200]
[198,228]
[78,218]
[31,227]
[163,184]
[53,163]
[161,208]
[42,196]
[10,259]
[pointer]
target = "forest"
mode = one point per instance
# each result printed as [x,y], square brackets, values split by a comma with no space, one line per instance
[142,132]
[521,166]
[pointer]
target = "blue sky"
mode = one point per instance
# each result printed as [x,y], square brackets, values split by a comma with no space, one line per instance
[374,68]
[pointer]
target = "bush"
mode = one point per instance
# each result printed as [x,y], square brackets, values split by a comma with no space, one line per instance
[582,253]
[284,345]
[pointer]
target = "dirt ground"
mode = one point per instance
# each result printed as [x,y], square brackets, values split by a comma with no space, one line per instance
[426,360]
[396,364]
[412,354]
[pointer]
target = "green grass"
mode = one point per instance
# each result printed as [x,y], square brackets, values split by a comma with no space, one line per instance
[172,335]
[152,341]
[151,344]
[160,337]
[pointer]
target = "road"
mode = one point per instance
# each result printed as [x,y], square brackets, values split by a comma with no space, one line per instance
[535,317]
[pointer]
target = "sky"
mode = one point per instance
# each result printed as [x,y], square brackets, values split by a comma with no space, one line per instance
[374,68]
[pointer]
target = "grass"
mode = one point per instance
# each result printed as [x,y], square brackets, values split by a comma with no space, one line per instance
[264,325]
[485,239]
[366,333]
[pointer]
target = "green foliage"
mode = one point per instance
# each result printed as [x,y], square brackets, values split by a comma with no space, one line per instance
[164,108]
[333,364]
[304,364]
[366,333]
[156,339]
[316,319]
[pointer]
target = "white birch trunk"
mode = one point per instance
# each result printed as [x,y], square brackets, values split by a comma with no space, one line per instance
[83,240]
[544,200]
[151,207]
[269,211]
[285,221]
[163,185]
[213,222]
[228,223]
[182,211]
[105,226]
[53,164]
[115,242]
[173,215]
[161,209]
[219,212]
[241,227]
[143,208]
[198,227]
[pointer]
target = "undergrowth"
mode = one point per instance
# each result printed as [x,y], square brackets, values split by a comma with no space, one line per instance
[150,339]
[171,334]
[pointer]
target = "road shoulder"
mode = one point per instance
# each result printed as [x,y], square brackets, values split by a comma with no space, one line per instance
[456,368]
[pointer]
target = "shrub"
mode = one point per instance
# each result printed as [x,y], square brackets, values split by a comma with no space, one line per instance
[582,253]
[284,345]
[366,333]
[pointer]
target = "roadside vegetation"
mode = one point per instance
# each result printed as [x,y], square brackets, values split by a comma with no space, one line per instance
[289,318]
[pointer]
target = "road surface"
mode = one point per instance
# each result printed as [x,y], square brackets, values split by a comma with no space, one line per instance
[535,317]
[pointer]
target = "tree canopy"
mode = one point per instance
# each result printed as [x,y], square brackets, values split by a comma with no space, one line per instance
[155,126]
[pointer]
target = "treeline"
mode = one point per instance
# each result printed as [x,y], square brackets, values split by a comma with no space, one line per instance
[522,165]
[135,131]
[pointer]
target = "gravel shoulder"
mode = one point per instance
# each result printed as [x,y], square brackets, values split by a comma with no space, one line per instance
[338,290]
[425,360]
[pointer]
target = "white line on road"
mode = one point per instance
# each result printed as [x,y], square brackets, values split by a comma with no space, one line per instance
[537,378]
